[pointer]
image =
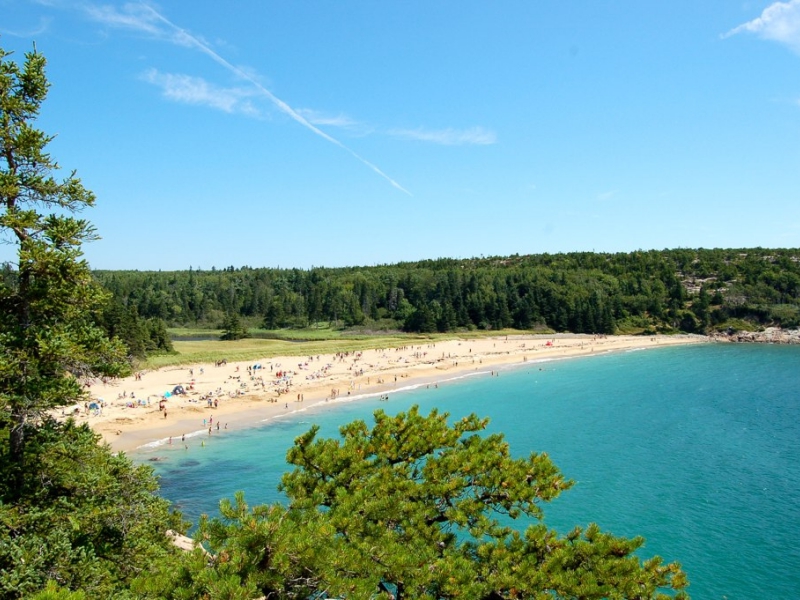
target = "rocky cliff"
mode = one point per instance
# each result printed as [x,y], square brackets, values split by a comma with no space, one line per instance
[771,335]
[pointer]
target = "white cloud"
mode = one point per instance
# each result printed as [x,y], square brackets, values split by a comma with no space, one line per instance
[196,90]
[132,16]
[318,118]
[448,137]
[779,22]
[143,18]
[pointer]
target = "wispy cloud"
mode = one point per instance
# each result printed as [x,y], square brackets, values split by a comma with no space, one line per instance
[132,16]
[319,118]
[196,90]
[448,137]
[146,19]
[779,22]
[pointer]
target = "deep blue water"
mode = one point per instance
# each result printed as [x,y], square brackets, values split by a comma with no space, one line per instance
[696,448]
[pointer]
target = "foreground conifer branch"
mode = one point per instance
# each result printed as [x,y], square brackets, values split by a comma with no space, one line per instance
[414,507]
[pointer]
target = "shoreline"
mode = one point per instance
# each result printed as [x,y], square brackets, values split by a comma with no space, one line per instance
[235,395]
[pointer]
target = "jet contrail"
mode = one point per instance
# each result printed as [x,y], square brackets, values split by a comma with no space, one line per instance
[192,41]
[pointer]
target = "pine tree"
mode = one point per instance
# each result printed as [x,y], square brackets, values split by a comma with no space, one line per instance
[412,507]
[232,327]
[49,340]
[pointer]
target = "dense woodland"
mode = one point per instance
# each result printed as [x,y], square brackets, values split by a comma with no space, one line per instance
[687,290]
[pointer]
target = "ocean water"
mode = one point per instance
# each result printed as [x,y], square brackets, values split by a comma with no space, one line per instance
[695,448]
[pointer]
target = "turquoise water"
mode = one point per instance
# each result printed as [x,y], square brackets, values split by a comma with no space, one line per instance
[695,448]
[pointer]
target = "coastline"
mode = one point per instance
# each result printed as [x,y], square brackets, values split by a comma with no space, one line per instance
[128,415]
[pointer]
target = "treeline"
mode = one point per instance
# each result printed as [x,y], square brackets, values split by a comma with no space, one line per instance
[142,335]
[689,290]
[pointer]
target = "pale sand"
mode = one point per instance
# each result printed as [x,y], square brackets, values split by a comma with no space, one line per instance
[245,402]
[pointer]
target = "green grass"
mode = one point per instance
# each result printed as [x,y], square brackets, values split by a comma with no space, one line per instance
[206,351]
[179,332]
[307,333]
[190,352]
[318,332]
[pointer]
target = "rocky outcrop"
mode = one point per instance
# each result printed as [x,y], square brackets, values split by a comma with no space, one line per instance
[184,542]
[771,335]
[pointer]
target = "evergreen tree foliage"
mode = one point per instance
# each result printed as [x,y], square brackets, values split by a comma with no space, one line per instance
[75,520]
[577,292]
[49,301]
[274,317]
[232,328]
[84,518]
[412,507]
[157,338]
[142,337]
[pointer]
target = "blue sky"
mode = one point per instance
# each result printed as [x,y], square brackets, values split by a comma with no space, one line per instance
[299,134]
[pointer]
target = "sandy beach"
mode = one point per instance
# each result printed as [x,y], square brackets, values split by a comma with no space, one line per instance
[218,399]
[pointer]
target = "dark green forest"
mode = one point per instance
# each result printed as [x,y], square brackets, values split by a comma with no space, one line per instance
[664,291]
